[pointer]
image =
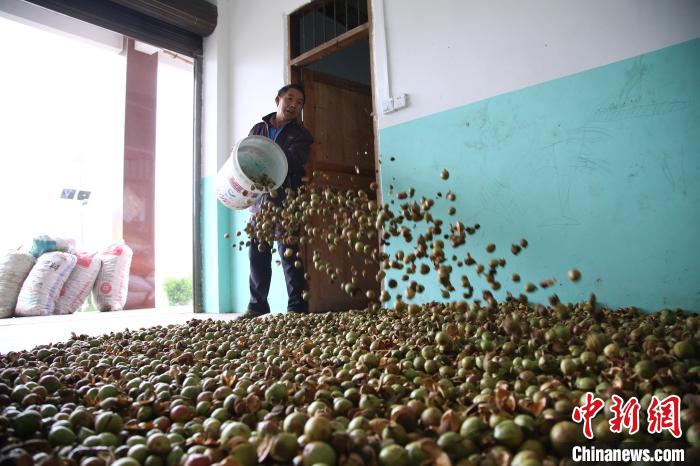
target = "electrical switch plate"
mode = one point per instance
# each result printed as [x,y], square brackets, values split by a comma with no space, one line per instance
[388,105]
[400,101]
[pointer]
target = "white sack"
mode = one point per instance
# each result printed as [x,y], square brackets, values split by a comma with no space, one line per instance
[79,283]
[112,284]
[43,284]
[14,268]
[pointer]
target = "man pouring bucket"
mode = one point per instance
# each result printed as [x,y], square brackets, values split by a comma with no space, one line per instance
[284,129]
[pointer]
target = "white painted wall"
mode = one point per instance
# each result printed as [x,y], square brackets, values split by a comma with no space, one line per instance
[244,66]
[453,52]
[215,93]
[258,55]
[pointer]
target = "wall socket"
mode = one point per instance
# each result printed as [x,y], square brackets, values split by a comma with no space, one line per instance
[395,103]
[400,101]
[388,105]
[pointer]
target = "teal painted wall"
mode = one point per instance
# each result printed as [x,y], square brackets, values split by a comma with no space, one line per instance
[216,255]
[241,272]
[598,170]
[226,269]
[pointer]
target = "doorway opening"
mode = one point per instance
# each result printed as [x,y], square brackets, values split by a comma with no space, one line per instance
[337,77]
[102,152]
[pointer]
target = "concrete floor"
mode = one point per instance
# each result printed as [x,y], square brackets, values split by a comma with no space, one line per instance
[23,333]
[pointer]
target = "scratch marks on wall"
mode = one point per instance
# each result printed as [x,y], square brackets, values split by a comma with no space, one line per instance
[666,170]
[578,149]
[561,221]
[586,156]
[635,170]
[632,102]
[673,168]
[571,161]
[499,199]
[628,111]
[487,130]
[634,76]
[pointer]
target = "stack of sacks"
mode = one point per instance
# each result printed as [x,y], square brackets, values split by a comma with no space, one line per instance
[54,279]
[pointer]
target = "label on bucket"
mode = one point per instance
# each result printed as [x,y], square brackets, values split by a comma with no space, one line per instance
[232,200]
[237,186]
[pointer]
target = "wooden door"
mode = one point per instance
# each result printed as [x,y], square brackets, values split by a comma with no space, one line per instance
[339,115]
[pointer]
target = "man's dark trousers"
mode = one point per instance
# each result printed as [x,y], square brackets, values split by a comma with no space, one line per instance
[261,275]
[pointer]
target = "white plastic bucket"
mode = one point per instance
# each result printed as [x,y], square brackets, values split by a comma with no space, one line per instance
[251,157]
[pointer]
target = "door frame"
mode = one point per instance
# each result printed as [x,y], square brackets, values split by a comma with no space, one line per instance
[336,163]
[363,31]
[294,72]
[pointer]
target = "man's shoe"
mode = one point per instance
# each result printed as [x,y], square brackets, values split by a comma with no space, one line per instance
[252,314]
